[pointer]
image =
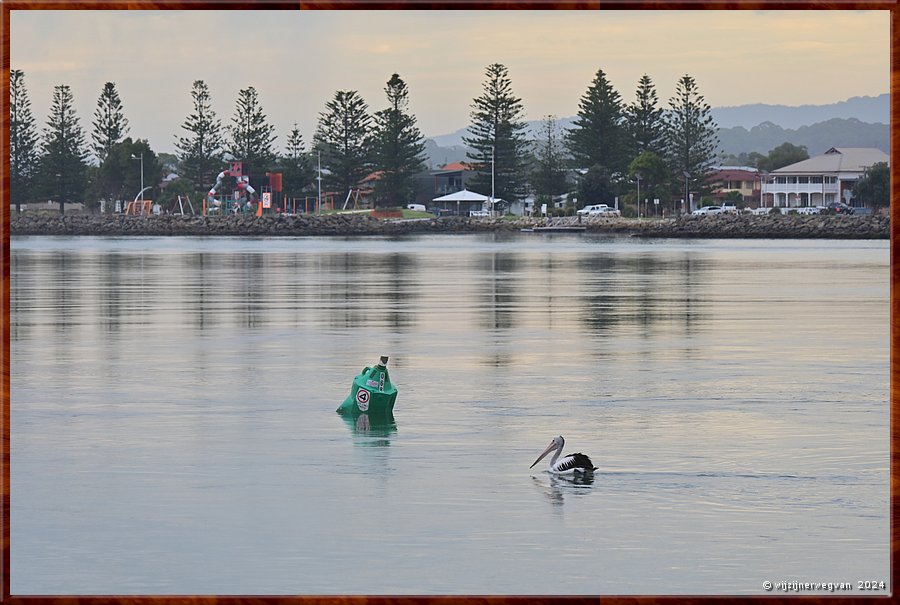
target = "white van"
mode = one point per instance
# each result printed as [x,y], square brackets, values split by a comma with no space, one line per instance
[416,207]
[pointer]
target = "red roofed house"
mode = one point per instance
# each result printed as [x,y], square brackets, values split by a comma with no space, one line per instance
[742,179]
[452,177]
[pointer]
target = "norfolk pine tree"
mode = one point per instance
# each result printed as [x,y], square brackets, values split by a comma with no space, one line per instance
[397,147]
[598,136]
[23,141]
[498,129]
[644,120]
[295,167]
[110,124]
[691,137]
[342,137]
[200,153]
[549,175]
[63,168]
[251,136]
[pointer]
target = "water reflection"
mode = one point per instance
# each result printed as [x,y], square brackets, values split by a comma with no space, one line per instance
[370,289]
[647,290]
[557,487]
[377,428]
[497,293]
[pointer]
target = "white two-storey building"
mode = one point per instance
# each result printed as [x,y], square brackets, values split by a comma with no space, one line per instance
[820,180]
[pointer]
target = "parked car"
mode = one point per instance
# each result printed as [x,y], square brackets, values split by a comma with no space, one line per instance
[599,210]
[707,210]
[416,207]
[596,208]
[479,213]
[729,207]
[840,208]
[810,209]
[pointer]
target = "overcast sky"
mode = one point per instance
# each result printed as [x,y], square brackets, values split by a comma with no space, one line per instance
[297,60]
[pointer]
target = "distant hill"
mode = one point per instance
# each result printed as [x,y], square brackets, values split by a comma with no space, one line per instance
[856,122]
[872,110]
[817,138]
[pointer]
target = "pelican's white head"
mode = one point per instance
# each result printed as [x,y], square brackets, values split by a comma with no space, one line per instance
[556,444]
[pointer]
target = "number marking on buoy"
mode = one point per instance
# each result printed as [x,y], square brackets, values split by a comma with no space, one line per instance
[362,399]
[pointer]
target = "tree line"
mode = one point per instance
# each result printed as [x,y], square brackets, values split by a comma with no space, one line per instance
[613,146]
[56,163]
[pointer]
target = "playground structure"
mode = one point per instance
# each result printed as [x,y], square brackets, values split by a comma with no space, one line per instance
[139,208]
[243,193]
[148,207]
[181,203]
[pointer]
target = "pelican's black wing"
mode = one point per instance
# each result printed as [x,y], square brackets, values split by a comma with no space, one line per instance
[577,461]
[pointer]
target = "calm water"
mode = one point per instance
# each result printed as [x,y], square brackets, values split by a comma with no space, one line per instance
[173,423]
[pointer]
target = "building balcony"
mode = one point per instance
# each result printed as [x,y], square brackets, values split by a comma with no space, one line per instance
[800,188]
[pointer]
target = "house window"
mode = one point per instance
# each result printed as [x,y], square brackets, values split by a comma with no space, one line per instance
[830,180]
[817,180]
[803,180]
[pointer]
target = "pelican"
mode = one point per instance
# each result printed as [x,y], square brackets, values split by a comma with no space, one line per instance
[577,464]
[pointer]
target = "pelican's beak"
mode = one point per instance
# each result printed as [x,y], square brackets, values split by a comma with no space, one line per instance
[549,449]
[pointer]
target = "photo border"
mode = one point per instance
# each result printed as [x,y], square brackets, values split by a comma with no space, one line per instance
[5,569]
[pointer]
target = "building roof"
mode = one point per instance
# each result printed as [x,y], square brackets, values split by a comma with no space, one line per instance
[843,159]
[734,174]
[455,167]
[462,196]
[747,168]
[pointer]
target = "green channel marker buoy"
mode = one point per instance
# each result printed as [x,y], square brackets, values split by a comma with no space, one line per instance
[371,392]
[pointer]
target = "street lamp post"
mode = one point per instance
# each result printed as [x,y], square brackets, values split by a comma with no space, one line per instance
[59,193]
[687,176]
[134,157]
[492,181]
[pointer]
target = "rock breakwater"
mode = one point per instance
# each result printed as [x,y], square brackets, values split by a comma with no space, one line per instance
[720,226]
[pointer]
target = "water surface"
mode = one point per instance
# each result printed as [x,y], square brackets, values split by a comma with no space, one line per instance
[174,427]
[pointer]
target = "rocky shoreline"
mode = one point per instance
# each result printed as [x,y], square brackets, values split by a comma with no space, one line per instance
[719,226]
